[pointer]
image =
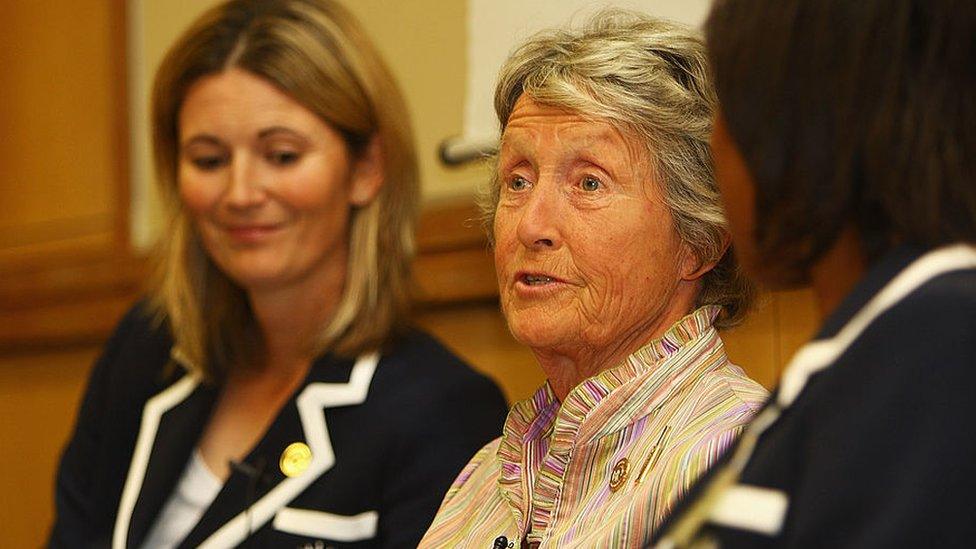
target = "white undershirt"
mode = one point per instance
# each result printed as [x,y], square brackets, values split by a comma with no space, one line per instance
[194,492]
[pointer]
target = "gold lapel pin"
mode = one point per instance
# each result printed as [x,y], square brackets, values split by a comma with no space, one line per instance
[619,474]
[295,459]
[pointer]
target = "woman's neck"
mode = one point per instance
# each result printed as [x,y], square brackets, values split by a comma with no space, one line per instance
[838,271]
[568,366]
[291,317]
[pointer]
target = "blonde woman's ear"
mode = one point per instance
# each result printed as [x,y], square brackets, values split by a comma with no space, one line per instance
[368,174]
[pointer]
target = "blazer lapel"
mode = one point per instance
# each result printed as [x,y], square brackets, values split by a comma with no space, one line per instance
[171,424]
[259,486]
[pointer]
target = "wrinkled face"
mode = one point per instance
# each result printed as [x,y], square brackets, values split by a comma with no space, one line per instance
[268,184]
[585,251]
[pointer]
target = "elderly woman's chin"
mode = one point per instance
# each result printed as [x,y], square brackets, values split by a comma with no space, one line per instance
[541,326]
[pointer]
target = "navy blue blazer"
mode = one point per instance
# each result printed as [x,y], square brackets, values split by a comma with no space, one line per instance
[388,434]
[877,449]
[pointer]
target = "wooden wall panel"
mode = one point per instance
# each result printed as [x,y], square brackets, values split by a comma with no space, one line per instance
[63,121]
[63,222]
[39,395]
[752,346]
[797,320]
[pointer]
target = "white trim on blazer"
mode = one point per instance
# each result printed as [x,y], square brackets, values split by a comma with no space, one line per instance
[152,412]
[312,400]
[307,522]
[763,510]
[819,354]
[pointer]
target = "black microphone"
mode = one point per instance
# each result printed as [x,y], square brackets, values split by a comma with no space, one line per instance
[256,473]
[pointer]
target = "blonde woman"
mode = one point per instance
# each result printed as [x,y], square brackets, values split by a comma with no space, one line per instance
[268,393]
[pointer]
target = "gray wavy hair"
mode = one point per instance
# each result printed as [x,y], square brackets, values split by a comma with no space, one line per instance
[648,77]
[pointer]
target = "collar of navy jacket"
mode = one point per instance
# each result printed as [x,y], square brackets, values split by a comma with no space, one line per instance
[171,423]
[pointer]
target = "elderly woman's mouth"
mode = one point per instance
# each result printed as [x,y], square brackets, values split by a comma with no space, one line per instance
[536,280]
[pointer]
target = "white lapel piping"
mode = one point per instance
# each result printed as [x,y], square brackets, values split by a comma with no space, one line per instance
[306,522]
[310,404]
[751,508]
[817,355]
[152,412]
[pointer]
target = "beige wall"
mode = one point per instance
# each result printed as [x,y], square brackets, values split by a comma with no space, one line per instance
[152,26]
[423,41]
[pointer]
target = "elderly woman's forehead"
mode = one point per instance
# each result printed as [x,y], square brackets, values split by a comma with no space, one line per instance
[530,118]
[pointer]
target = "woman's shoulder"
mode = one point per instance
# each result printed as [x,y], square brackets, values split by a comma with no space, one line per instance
[728,394]
[417,357]
[936,322]
[477,480]
[949,299]
[137,351]
[419,373]
[140,329]
[922,349]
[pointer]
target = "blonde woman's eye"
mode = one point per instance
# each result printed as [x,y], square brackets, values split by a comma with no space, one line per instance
[518,183]
[590,184]
[208,163]
[283,158]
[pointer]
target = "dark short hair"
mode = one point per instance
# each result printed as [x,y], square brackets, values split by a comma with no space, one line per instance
[850,112]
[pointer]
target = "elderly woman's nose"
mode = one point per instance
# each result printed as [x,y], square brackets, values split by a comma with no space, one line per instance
[538,226]
[245,184]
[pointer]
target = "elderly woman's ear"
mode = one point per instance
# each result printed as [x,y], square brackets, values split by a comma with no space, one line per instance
[367,175]
[693,267]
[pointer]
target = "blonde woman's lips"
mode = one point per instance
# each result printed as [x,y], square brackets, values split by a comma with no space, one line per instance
[251,233]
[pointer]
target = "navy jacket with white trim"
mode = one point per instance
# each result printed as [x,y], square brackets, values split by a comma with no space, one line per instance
[879,448]
[398,432]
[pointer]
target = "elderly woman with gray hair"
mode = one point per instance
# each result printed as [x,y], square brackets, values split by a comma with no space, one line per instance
[613,266]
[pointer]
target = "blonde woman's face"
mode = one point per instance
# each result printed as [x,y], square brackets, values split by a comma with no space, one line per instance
[585,251]
[268,184]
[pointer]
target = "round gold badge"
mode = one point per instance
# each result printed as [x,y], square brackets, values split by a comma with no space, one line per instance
[295,459]
[619,474]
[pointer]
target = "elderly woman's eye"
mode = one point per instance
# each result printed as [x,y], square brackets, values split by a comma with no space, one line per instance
[590,184]
[518,183]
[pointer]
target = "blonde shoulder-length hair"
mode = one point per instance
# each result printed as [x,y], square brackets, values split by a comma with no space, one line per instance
[317,53]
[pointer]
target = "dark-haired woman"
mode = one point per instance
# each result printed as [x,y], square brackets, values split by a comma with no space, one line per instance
[845,151]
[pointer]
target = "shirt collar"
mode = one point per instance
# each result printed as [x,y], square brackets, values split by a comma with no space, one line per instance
[613,398]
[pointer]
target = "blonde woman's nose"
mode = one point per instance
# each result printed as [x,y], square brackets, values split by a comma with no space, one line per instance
[246,186]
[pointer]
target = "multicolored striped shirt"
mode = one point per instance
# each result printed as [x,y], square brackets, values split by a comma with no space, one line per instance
[604,467]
